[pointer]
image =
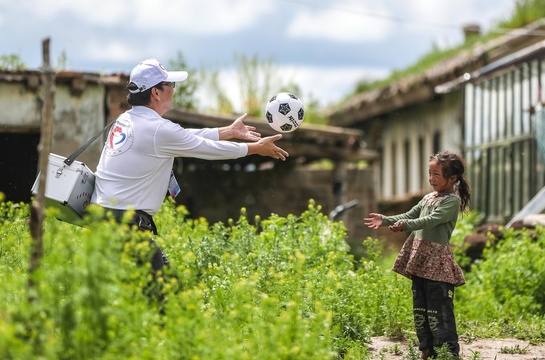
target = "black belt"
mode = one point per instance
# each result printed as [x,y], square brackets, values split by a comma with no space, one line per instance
[141,219]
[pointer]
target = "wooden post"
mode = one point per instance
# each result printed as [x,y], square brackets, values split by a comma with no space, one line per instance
[44,148]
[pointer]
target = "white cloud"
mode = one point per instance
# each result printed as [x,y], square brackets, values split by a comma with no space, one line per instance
[95,11]
[444,12]
[204,17]
[345,21]
[113,51]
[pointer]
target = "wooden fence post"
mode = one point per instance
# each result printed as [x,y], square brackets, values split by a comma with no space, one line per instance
[44,148]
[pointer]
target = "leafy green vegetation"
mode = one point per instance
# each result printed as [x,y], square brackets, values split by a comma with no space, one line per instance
[184,94]
[526,12]
[275,288]
[11,62]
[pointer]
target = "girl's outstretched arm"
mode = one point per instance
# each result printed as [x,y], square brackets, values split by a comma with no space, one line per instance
[374,221]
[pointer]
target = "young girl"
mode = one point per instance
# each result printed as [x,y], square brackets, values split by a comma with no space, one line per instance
[426,257]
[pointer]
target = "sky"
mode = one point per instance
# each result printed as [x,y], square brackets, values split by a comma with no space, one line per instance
[324,46]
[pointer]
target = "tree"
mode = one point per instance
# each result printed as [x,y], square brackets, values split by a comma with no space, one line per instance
[184,93]
[255,80]
[220,102]
[11,62]
[258,79]
[62,60]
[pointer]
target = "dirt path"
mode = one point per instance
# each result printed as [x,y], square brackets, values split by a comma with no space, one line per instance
[485,349]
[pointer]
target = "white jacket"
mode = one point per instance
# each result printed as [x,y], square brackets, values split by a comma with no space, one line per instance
[136,162]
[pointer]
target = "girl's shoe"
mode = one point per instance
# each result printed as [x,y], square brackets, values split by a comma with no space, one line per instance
[426,354]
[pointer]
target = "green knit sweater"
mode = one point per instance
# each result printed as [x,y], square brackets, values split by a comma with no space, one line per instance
[432,219]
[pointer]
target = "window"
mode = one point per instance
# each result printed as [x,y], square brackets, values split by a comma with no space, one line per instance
[500,142]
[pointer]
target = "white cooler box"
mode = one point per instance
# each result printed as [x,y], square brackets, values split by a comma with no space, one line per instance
[68,188]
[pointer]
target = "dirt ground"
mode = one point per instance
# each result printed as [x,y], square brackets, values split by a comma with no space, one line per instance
[481,349]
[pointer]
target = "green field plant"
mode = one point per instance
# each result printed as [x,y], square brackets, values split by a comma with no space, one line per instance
[274,288]
[279,288]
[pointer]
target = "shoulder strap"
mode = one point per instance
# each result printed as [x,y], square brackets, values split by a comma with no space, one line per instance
[69,160]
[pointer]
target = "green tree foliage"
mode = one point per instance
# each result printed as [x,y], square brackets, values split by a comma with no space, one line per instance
[259,79]
[256,78]
[11,62]
[62,60]
[313,114]
[218,101]
[185,92]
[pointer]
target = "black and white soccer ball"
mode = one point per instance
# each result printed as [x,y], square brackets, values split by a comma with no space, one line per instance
[284,112]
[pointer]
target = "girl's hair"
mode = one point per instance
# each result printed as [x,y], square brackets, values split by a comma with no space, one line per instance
[454,164]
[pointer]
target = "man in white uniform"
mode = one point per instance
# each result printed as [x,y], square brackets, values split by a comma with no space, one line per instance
[135,168]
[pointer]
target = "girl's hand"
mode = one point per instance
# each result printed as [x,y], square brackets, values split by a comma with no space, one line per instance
[374,221]
[397,227]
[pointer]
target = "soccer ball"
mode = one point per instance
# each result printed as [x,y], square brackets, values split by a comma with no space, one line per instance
[284,112]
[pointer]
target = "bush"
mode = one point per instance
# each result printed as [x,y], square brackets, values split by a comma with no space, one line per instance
[280,288]
[508,286]
[285,287]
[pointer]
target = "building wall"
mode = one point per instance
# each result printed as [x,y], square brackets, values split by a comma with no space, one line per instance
[407,139]
[20,108]
[492,121]
[76,117]
[76,120]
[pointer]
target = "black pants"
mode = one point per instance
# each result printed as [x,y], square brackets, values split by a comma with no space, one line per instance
[433,308]
[154,289]
[144,221]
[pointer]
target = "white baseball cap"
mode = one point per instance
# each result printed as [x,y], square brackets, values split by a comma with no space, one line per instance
[149,73]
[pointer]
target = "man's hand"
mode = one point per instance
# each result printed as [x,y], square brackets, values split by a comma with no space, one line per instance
[237,130]
[267,147]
